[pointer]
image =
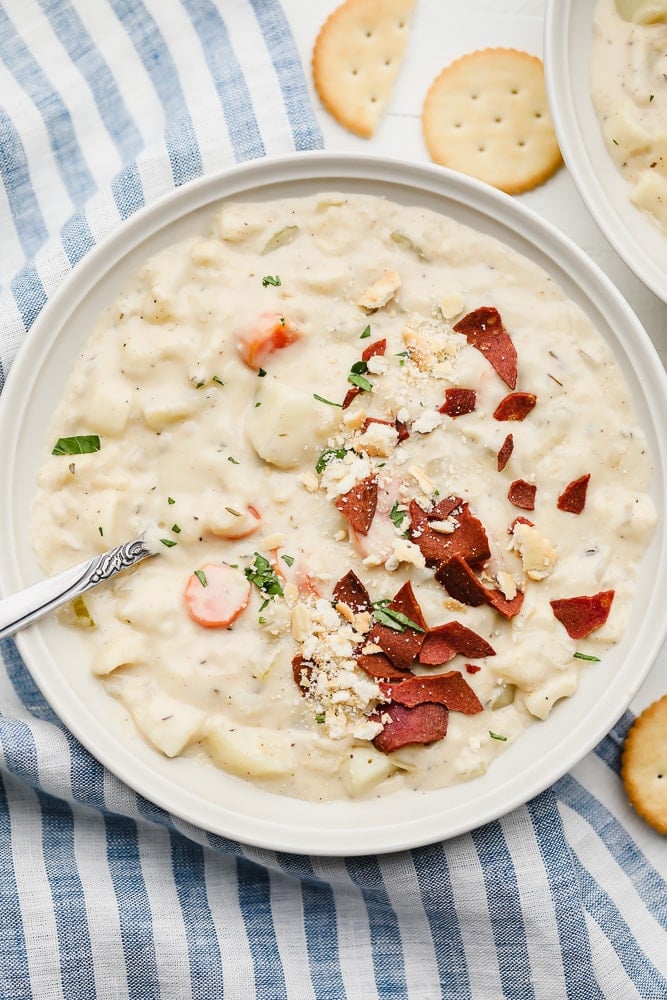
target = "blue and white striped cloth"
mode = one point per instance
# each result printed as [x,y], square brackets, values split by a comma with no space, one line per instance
[106,104]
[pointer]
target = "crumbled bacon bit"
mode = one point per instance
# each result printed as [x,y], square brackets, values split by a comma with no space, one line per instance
[301,669]
[519,520]
[472,668]
[582,615]
[458,402]
[350,395]
[467,538]
[350,591]
[522,494]
[403,432]
[515,406]
[402,726]
[573,497]
[358,504]
[483,328]
[403,647]
[460,582]
[442,643]
[450,689]
[380,666]
[505,451]
[374,349]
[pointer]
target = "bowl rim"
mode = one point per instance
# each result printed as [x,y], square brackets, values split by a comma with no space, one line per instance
[635,238]
[336,830]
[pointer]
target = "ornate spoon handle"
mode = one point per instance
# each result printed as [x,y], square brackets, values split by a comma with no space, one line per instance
[19,610]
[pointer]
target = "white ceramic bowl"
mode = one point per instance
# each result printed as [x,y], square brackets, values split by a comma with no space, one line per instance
[568,39]
[219,802]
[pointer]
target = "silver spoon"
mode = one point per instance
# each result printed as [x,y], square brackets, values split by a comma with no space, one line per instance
[19,610]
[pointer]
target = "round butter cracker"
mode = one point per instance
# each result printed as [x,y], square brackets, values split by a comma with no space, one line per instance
[487,115]
[644,765]
[356,60]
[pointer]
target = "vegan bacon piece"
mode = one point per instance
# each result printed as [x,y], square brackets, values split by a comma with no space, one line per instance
[582,615]
[442,643]
[459,402]
[468,538]
[422,724]
[515,406]
[450,689]
[350,395]
[483,328]
[401,429]
[350,591]
[358,504]
[301,666]
[460,582]
[573,497]
[380,666]
[402,647]
[505,451]
[374,349]
[522,494]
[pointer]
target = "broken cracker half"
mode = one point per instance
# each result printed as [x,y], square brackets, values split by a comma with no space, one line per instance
[357,57]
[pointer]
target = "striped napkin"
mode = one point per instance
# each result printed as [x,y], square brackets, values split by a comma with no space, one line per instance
[105,105]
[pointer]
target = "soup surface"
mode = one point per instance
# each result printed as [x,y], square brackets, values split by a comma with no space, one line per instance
[629,92]
[394,483]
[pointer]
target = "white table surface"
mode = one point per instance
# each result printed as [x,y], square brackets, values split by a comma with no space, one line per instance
[440,31]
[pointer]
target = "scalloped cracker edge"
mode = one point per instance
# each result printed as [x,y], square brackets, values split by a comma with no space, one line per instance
[357,57]
[487,115]
[644,764]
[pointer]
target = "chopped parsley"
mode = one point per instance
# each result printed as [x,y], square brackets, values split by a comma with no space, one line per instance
[170,500]
[201,576]
[397,516]
[586,656]
[270,280]
[396,620]
[360,381]
[261,372]
[263,575]
[321,399]
[327,456]
[168,542]
[231,459]
[288,559]
[365,333]
[80,444]
[320,717]
[176,528]
[101,530]
[497,736]
[218,380]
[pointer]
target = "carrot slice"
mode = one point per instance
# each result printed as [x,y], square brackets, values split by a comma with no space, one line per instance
[216,595]
[271,334]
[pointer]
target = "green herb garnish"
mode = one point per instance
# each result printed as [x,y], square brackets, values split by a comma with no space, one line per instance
[361,382]
[80,444]
[288,559]
[497,736]
[168,542]
[586,656]
[270,280]
[320,717]
[321,399]
[176,528]
[261,372]
[218,380]
[327,456]
[263,575]
[101,530]
[170,500]
[201,576]
[232,460]
[397,516]
[396,620]
[365,333]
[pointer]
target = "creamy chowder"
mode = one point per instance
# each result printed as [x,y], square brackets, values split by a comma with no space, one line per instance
[629,92]
[395,484]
